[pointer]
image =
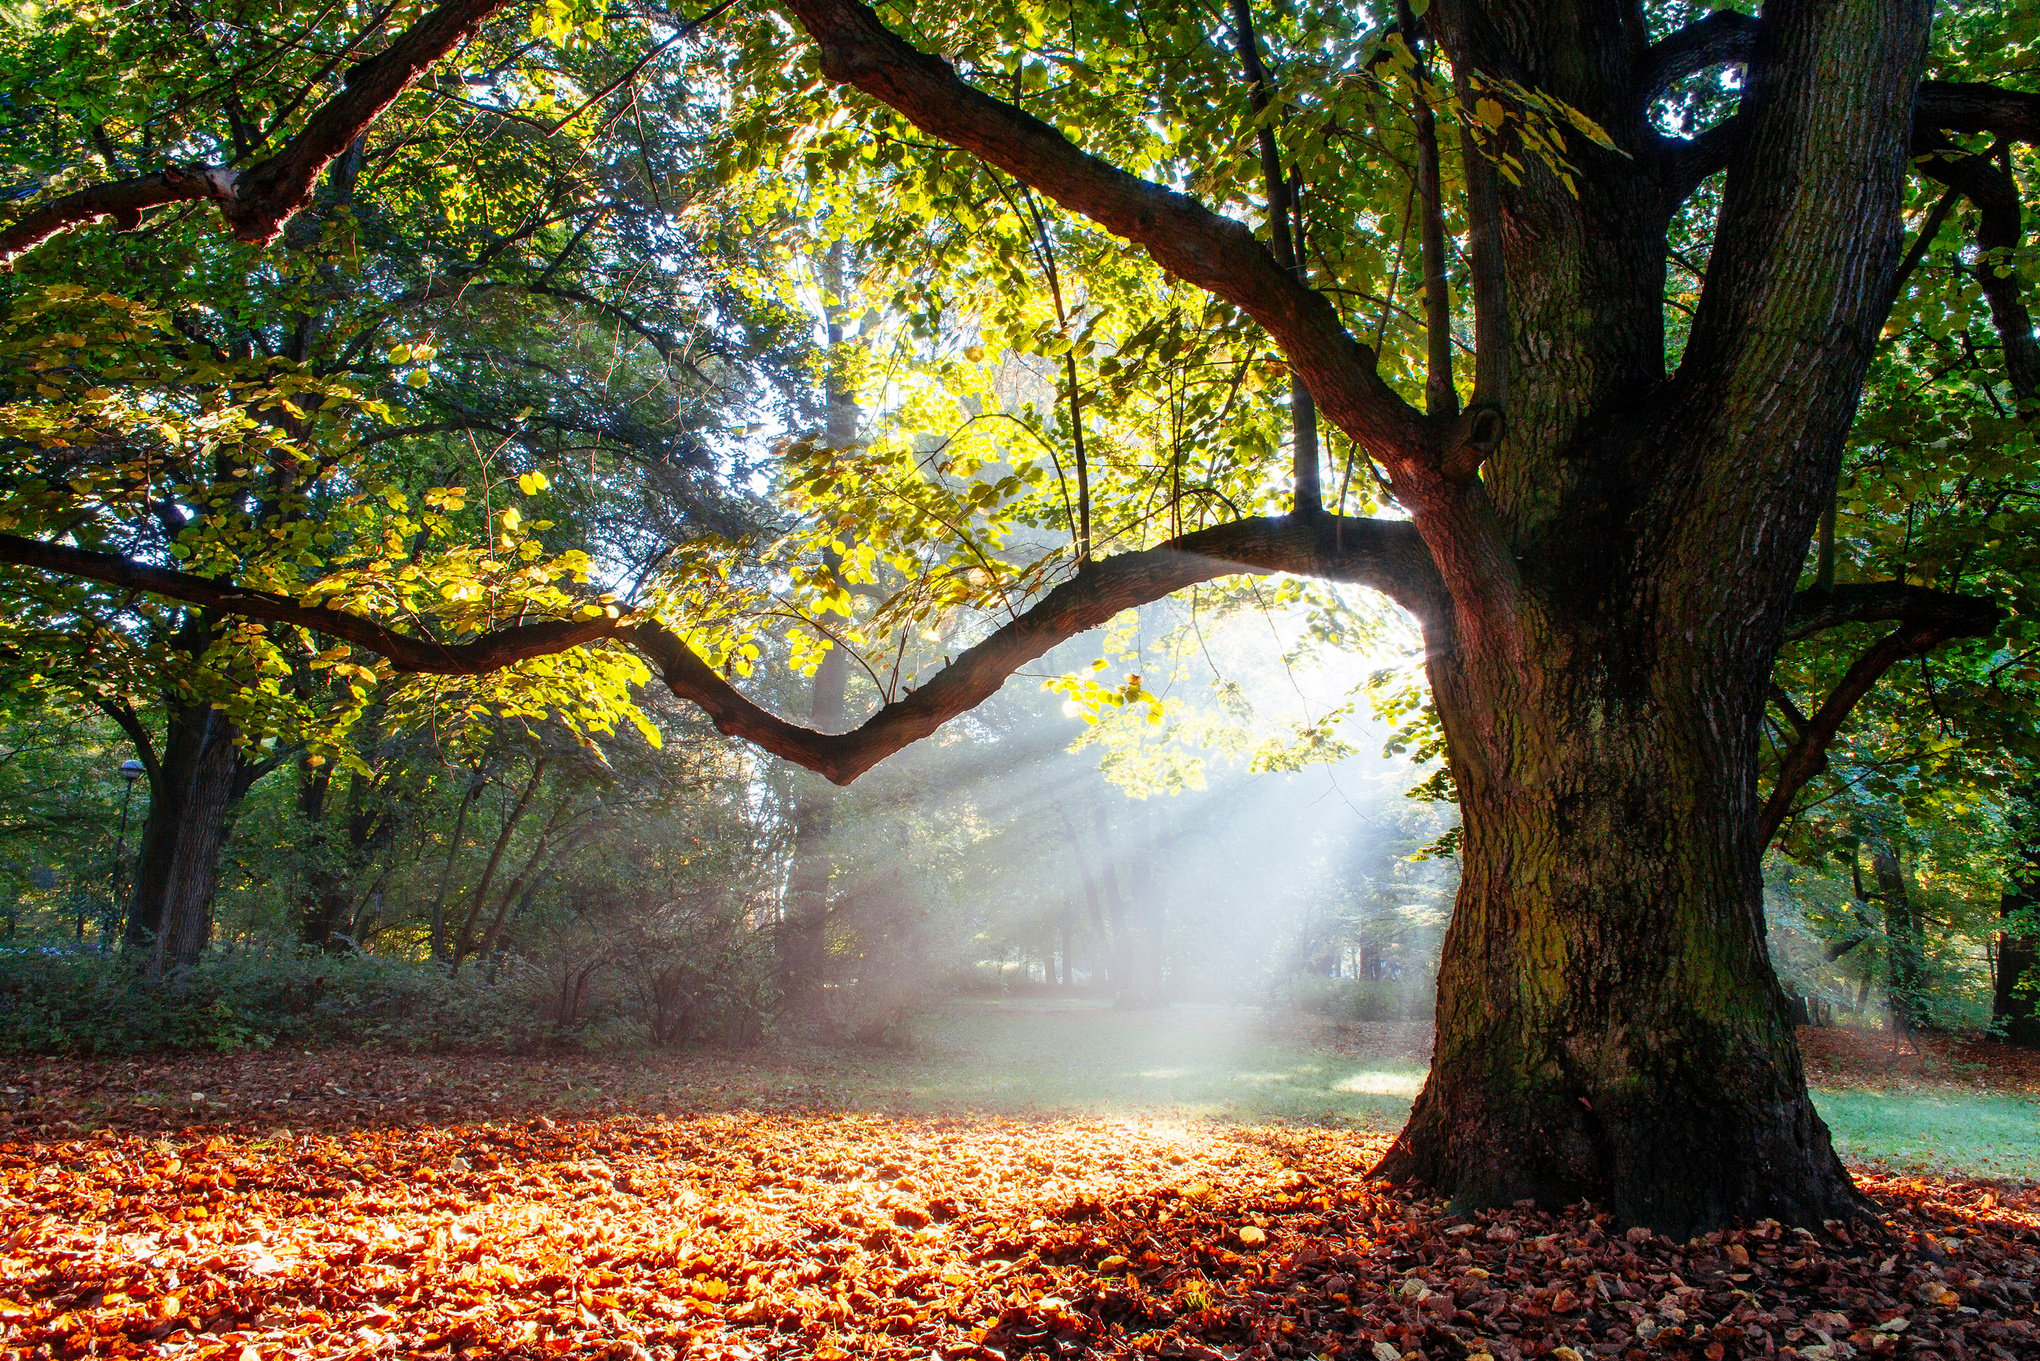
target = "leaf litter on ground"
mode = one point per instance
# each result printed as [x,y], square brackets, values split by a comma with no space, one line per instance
[376,1205]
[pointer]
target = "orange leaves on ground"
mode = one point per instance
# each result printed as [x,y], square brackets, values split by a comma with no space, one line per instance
[309,1229]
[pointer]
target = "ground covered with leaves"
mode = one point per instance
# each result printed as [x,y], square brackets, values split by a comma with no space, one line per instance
[359,1204]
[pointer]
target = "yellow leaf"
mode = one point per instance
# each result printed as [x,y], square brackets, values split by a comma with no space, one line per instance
[532,483]
[1252,1236]
[1489,111]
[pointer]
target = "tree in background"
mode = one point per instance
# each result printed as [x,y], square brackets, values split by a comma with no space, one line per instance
[217,404]
[2016,964]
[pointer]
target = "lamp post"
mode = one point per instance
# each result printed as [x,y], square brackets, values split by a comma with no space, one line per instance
[131,770]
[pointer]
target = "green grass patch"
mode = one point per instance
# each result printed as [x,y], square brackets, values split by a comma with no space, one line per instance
[1239,1064]
[1978,1134]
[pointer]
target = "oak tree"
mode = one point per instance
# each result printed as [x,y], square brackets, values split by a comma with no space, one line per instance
[1597,485]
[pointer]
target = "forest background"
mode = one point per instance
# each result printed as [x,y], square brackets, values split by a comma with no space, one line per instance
[624,310]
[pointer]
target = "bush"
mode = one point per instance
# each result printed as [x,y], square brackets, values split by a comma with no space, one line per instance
[84,1002]
[1357,1000]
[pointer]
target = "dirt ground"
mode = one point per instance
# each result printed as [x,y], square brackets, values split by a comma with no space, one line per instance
[1837,1057]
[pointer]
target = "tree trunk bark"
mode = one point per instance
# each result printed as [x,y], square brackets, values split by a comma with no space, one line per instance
[1608,1023]
[1904,943]
[2014,1010]
[1619,573]
[325,906]
[182,837]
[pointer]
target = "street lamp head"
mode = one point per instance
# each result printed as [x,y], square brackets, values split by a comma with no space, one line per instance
[132,770]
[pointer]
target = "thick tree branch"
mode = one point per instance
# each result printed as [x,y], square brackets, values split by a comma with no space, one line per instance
[1964,106]
[406,651]
[1723,38]
[1387,555]
[1183,236]
[258,200]
[1928,619]
[1686,163]
[1795,287]
[1873,602]
[1988,184]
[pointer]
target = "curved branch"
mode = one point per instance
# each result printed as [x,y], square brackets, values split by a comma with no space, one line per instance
[1931,618]
[257,201]
[1387,555]
[1688,162]
[1990,187]
[1723,38]
[1384,554]
[1182,235]
[491,651]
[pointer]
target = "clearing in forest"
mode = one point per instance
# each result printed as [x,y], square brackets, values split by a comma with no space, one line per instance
[804,1203]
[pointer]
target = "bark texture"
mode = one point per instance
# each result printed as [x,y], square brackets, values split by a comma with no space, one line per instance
[1609,1025]
[2015,1008]
[192,788]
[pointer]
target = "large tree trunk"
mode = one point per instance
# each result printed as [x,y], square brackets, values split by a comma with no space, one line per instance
[1608,1023]
[325,901]
[2014,1009]
[191,792]
[1905,943]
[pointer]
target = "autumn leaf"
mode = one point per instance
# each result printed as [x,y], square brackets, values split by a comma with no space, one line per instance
[316,1204]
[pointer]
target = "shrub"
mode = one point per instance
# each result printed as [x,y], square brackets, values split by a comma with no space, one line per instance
[84,1002]
[1358,1000]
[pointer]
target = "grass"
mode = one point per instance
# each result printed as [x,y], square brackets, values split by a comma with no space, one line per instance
[1971,1110]
[1215,1062]
[1242,1065]
[1978,1134]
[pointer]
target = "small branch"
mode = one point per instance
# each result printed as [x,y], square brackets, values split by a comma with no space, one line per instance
[1285,232]
[257,201]
[1441,398]
[1916,253]
[1481,430]
[1792,712]
[1935,624]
